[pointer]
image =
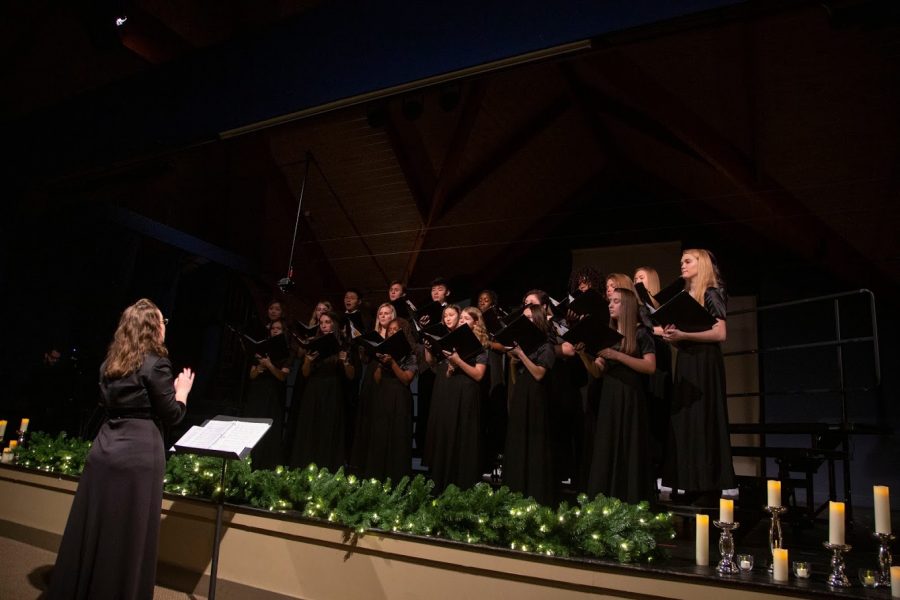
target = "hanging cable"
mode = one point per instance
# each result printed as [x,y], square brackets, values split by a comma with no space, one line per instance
[286,284]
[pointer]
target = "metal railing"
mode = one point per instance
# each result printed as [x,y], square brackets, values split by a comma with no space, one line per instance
[840,427]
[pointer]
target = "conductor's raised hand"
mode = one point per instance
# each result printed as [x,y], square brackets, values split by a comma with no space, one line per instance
[183,384]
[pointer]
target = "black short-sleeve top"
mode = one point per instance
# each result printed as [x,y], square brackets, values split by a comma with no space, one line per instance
[715,302]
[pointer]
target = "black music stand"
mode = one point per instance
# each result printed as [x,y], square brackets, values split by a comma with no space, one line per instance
[228,438]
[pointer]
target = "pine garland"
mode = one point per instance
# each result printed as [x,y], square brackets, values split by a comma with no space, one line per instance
[598,527]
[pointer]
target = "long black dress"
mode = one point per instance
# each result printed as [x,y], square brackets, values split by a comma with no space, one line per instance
[659,396]
[362,423]
[528,461]
[266,395]
[621,465]
[111,540]
[320,431]
[493,410]
[452,448]
[390,425]
[699,456]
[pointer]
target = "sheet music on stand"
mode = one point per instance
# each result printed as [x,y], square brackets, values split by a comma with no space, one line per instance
[224,436]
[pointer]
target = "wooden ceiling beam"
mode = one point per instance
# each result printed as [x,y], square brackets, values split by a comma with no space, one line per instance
[519,139]
[781,217]
[471,106]
[412,156]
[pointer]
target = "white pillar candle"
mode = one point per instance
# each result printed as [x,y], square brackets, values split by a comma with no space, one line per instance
[882,509]
[23,427]
[2,429]
[702,550]
[836,523]
[774,489]
[7,456]
[895,582]
[780,564]
[726,510]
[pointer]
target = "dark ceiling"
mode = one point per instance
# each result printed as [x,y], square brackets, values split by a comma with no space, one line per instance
[770,133]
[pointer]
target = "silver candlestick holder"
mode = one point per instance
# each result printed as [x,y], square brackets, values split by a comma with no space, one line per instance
[726,565]
[776,540]
[884,558]
[838,577]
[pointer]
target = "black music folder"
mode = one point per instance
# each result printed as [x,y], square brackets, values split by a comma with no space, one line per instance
[594,332]
[493,320]
[590,302]
[461,340]
[404,307]
[643,295]
[669,292]
[523,332]
[302,331]
[276,348]
[685,313]
[396,346]
[326,345]
[433,310]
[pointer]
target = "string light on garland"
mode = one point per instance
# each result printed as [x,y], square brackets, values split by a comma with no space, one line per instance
[598,527]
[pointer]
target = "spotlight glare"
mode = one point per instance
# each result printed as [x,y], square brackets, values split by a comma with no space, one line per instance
[121,20]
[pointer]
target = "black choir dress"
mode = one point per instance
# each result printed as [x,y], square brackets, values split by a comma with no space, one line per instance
[493,411]
[391,428]
[111,540]
[362,424]
[659,396]
[528,460]
[452,448]
[699,455]
[266,395]
[621,466]
[319,437]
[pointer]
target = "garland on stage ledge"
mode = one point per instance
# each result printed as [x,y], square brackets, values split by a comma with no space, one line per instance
[601,527]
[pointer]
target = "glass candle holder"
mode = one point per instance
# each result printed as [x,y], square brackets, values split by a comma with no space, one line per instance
[745,562]
[868,578]
[802,570]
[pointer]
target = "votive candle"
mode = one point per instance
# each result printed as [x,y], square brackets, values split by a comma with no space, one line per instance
[836,523]
[882,509]
[23,427]
[774,489]
[702,549]
[780,564]
[726,510]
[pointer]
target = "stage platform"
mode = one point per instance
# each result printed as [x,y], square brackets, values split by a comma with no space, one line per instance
[273,556]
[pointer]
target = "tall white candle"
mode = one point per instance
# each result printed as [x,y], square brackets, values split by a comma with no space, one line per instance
[774,489]
[882,509]
[836,523]
[726,510]
[702,549]
[780,564]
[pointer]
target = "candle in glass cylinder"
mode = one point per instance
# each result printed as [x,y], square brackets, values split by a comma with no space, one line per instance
[23,426]
[7,456]
[774,489]
[882,509]
[895,582]
[702,549]
[2,429]
[13,444]
[836,523]
[780,564]
[726,510]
